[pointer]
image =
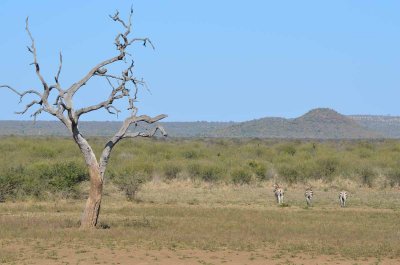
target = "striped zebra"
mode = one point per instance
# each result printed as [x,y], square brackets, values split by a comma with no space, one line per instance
[342,198]
[278,191]
[309,195]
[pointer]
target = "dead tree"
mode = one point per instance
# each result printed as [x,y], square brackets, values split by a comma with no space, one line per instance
[122,86]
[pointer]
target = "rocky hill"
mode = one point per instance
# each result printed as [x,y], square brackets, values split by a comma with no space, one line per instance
[319,123]
[316,124]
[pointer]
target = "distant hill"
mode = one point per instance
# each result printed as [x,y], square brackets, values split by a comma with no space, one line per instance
[319,123]
[389,126]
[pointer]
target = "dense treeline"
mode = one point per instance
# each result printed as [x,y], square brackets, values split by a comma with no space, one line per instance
[40,167]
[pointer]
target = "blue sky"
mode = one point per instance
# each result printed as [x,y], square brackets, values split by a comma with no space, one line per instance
[216,60]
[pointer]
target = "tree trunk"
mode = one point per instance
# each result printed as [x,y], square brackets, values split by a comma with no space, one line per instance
[92,209]
[91,212]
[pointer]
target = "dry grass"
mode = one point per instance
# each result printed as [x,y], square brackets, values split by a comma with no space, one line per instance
[183,216]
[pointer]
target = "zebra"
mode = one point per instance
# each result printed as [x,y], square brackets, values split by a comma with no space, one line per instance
[309,195]
[278,191]
[342,198]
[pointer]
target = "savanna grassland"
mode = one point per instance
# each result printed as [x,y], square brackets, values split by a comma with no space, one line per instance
[202,201]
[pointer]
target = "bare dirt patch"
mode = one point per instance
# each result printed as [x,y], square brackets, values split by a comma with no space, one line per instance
[84,255]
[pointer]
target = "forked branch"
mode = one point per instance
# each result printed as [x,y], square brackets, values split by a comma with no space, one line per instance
[123,133]
[123,86]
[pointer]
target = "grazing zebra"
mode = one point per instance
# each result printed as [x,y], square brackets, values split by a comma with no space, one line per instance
[278,191]
[309,195]
[342,198]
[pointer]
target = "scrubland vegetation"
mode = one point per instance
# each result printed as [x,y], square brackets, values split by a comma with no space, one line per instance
[43,167]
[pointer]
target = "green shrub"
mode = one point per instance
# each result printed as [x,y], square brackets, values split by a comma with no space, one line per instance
[44,151]
[394,176]
[289,173]
[142,166]
[241,176]
[289,149]
[259,152]
[171,170]
[205,172]
[367,175]
[190,154]
[60,177]
[130,168]
[258,169]
[365,153]
[64,176]
[39,179]
[194,170]
[130,184]
[211,174]
[326,168]
[9,183]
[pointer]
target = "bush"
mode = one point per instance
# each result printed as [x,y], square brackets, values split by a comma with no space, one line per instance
[241,176]
[40,179]
[259,152]
[394,176]
[323,168]
[130,184]
[59,177]
[209,173]
[44,151]
[289,173]
[171,171]
[327,167]
[190,154]
[287,149]
[130,169]
[194,170]
[258,169]
[65,176]
[142,166]
[9,183]
[367,175]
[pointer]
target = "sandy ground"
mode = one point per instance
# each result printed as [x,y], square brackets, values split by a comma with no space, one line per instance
[127,255]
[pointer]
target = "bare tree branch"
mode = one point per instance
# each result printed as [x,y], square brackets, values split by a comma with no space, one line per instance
[110,109]
[32,49]
[57,77]
[116,18]
[109,76]
[36,113]
[144,40]
[28,106]
[21,95]
[110,83]
[146,133]
[123,131]
[12,89]
[76,86]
